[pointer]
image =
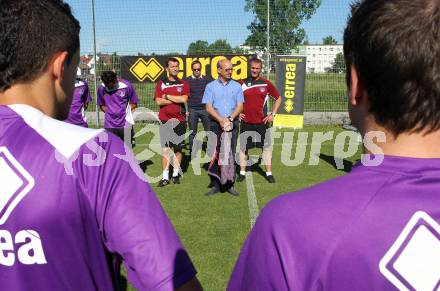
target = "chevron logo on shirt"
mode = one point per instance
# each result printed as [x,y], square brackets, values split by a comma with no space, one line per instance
[413,261]
[15,183]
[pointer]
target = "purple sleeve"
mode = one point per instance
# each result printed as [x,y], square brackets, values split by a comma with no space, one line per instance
[130,217]
[87,97]
[100,96]
[133,95]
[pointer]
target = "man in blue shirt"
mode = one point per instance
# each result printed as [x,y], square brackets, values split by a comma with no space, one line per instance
[224,103]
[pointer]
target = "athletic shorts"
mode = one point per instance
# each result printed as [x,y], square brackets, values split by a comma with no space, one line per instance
[254,136]
[172,134]
[119,132]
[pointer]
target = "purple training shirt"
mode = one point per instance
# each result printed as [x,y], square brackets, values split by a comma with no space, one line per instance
[81,97]
[69,197]
[376,228]
[117,102]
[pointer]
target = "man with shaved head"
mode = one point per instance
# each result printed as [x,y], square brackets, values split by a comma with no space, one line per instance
[224,102]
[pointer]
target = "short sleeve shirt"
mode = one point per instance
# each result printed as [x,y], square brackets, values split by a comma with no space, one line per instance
[177,88]
[256,93]
[376,228]
[117,103]
[70,196]
[224,98]
[81,97]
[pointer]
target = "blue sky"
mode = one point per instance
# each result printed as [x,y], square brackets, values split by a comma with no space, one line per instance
[163,26]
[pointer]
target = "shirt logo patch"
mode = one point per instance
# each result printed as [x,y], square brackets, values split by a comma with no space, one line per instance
[15,183]
[81,91]
[179,89]
[122,93]
[413,261]
[262,89]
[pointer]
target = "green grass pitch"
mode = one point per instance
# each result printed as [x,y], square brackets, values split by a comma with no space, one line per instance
[213,229]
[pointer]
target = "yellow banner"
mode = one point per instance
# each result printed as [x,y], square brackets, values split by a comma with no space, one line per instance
[289,120]
[143,69]
[290,80]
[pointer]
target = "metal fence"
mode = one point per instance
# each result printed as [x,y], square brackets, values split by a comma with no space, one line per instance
[111,29]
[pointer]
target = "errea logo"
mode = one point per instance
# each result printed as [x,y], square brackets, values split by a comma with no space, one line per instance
[15,183]
[151,69]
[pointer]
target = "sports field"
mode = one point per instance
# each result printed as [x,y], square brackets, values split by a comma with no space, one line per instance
[213,228]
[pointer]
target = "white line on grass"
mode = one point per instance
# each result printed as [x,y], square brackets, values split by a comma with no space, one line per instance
[252,199]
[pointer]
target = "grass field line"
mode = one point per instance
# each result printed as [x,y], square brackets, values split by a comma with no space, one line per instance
[252,198]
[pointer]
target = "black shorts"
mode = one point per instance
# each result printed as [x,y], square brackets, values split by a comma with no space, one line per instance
[172,134]
[119,132]
[254,136]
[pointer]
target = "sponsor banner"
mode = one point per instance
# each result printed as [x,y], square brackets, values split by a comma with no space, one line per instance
[150,69]
[290,81]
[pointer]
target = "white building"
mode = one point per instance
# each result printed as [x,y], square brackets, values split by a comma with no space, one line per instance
[248,50]
[319,57]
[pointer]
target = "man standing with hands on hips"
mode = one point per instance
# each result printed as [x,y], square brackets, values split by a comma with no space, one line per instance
[254,127]
[224,103]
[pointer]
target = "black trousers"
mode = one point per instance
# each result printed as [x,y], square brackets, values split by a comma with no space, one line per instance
[215,128]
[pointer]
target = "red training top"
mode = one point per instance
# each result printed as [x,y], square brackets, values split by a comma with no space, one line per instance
[256,94]
[175,110]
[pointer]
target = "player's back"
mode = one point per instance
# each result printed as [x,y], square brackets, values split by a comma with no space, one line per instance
[49,237]
[376,228]
[70,197]
[117,103]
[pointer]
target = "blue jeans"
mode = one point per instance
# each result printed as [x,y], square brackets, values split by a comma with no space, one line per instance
[193,121]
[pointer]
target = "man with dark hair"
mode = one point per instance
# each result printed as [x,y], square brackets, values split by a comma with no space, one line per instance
[117,99]
[197,83]
[80,102]
[72,199]
[254,127]
[224,102]
[378,227]
[171,95]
